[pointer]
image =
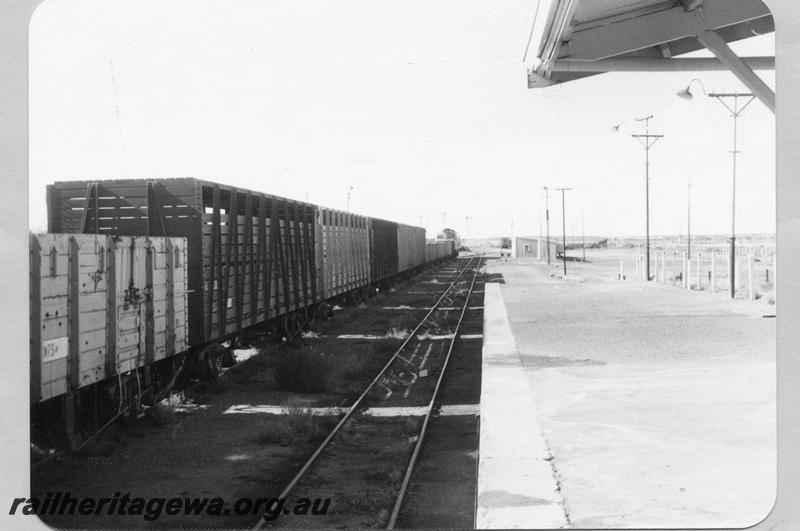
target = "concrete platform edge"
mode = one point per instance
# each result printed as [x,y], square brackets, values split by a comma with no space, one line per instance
[516,484]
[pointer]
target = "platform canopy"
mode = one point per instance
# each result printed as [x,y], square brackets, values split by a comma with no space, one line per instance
[572,39]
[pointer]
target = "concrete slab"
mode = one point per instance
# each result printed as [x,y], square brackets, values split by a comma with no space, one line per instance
[658,404]
[516,483]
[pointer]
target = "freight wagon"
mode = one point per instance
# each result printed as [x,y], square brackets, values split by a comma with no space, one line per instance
[245,258]
[439,250]
[101,308]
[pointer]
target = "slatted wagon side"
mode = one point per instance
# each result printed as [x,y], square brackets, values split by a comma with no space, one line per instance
[382,249]
[436,250]
[101,306]
[268,269]
[343,251]
[410,247]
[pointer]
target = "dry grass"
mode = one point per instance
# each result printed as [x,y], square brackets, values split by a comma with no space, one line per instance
[397,333]
[298,426]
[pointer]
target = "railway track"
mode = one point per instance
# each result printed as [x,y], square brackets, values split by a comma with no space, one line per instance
[366,463]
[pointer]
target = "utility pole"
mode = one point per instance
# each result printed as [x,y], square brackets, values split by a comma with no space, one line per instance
[583,236]
[689,223]
[736,111]
[547,221]
[466,218]
[539,246]
[563,229]
[348,198]
[647,143]
[444,220]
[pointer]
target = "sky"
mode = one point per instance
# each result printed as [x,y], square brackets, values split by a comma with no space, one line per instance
[421,107]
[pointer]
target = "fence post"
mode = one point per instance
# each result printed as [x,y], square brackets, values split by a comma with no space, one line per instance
[750,290]
[685,271]
[713,285]
[699,276]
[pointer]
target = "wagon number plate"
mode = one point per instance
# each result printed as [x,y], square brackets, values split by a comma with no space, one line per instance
[54,349]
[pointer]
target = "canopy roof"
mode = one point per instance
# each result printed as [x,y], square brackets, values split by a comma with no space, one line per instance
[579,38]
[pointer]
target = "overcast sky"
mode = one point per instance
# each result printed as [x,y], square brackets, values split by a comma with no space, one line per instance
[422,107]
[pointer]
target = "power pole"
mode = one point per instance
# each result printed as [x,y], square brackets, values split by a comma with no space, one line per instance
[539,246]
[547,221]
[689,224]
[583,236]
[647,143]
[736,111]
[563,229]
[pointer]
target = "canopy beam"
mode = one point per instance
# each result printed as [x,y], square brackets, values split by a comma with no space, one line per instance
[718,46]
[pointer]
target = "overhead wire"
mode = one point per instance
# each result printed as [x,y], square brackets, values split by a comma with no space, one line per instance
[533,25]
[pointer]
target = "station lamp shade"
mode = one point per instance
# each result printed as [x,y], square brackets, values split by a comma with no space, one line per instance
[685,93]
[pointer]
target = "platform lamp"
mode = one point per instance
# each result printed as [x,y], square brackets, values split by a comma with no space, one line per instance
[736,110]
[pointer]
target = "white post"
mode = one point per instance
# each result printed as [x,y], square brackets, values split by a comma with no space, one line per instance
[685,271]
[750,289]
[674,259]
[699,277]
[638,264]
[620,271]
[713,271]
[728,269]
[688,273]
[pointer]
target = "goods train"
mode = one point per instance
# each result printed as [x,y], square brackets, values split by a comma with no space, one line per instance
[137,280]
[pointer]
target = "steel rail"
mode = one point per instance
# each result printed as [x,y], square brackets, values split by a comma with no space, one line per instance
[360,399]
[407,478]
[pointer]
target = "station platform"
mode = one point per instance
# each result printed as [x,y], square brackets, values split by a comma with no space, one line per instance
[618,404]
[516,484]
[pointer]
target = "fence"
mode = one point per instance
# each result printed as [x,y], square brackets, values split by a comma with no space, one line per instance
[709,270]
